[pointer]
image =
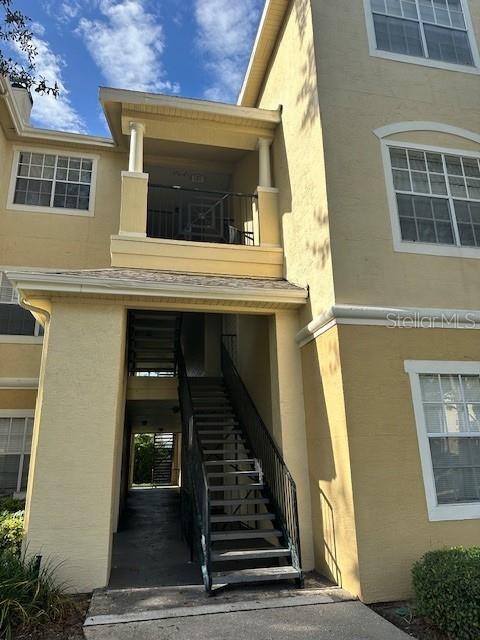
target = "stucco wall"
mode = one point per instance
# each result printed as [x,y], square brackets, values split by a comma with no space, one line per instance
[297,156]
[253,362]
[73,481]
[20,360]
[55,240]
[17,399]
[334,530]
[392,524]
[359,93]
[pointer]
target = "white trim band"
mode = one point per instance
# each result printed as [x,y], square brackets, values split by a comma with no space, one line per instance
[12,339]
[393,317]
[437,127]
[18,383]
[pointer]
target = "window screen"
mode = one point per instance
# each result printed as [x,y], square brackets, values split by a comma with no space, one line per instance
[434,29]
[438,197]
[451,406]
[47,180]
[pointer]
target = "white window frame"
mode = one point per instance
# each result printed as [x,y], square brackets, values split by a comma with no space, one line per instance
[4,338]
[25,414]
[414,368]
[11,205]
[426,62]
[425,248]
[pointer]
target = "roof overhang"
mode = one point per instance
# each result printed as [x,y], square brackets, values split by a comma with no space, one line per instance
[267,34]
[17,129]
[186,119]
[261,293]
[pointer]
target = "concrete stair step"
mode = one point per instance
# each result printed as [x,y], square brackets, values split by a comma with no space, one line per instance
[236,502]
[243,518]
[233,474]
[243,534]
[248,486]
[249,554]
[269,574]
[224,463]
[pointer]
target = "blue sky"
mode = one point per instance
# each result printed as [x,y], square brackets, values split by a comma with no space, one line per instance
[193,48]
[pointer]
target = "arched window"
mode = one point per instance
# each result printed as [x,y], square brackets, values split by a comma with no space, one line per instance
[433,190]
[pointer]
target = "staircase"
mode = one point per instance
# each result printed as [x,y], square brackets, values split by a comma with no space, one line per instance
[244,532]
[153,337]
[162,459]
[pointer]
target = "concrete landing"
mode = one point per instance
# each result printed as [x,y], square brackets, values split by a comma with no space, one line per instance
[148,550]
[137,605]
[332,621]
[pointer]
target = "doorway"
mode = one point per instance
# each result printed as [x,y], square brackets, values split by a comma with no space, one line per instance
[156,460]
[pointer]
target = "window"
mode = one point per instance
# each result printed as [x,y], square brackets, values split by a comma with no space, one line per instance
[447,410]
[432,30]
[47,181]
[14,320]
[15,445]
[437,196]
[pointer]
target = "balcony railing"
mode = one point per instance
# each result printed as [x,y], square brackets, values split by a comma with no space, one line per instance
[195,215]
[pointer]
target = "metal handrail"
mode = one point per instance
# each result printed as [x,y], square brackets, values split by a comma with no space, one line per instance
[195,493]
[237,194]
[279,482]
[202,215]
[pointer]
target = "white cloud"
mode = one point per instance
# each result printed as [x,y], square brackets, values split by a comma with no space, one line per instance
[225,34]
[37,28]
[65,12]
[127,42]
[48,111]
[70,10]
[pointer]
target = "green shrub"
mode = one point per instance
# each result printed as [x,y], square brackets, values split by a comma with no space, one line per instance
[29,597]
[11,505]
[11,531]
[447,587]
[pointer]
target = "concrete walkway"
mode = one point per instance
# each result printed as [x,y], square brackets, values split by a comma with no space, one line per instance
[149,550]
[334,621]
[156,593]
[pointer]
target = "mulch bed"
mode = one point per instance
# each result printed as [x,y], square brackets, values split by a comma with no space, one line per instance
[69,629]
[402,615]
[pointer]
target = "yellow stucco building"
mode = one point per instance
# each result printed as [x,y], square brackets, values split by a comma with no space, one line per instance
[328,228]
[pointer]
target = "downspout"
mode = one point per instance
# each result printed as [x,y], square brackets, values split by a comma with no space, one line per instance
[29,307]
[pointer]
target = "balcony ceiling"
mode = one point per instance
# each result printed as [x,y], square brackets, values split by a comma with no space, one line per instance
[181,120]
[167,152]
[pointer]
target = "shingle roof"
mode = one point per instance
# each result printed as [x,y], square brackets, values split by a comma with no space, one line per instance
[172,286]
[148,276]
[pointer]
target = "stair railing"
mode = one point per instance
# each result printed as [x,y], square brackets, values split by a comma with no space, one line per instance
[279,483]
[194,492]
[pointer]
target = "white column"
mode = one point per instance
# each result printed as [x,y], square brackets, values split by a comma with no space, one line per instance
[137,131]
[265,174]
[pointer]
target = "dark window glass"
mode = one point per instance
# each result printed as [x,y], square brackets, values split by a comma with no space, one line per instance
[9,466]
[398,35]
[448,45]
[15,321]
[424,219]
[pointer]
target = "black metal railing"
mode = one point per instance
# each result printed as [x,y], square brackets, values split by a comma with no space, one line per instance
[229,341]
[194,491]
[195,215]
[279,482]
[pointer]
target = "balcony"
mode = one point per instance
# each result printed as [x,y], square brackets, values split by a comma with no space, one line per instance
[199,215]
[198,195]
